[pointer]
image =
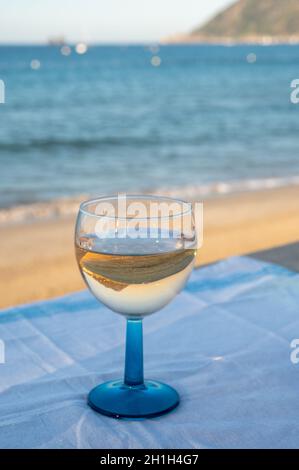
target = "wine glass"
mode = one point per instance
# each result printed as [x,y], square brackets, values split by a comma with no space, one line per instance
[135,254]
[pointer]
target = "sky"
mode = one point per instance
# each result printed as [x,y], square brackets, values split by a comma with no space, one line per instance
[102,21]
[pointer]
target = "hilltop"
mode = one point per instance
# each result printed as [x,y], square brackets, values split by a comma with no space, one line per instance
[260,21]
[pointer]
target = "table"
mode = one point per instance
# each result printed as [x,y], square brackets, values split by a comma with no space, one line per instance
[224,343]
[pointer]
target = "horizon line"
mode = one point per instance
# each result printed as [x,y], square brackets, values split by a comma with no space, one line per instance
[74,43]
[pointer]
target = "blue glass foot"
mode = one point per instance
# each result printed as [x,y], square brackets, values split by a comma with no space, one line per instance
[118,400]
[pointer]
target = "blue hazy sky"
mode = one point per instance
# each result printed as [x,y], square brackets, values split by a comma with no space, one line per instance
[101,20]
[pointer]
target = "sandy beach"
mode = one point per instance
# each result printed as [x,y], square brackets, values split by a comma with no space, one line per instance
[37,259]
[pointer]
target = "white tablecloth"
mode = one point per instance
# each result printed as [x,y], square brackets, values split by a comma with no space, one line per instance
[224,343]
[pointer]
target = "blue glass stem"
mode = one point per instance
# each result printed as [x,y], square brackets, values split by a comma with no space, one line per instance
[134,354]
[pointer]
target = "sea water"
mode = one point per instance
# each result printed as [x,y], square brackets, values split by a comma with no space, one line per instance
[206,118]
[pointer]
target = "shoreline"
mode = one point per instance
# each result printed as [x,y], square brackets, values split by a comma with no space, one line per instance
[197,39]
[37,258]
[59,208]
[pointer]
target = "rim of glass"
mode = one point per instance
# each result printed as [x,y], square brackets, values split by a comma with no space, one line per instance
[114,197]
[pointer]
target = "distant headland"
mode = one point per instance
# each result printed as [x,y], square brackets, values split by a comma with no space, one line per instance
[248,22]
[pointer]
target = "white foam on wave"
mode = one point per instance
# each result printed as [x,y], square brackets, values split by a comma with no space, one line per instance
[197,192]
[59,208]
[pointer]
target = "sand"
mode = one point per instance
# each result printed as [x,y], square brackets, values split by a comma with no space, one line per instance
[37,260]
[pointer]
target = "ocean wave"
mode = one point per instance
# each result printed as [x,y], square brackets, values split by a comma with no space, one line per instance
[60,208]
[88,143]
[196,192]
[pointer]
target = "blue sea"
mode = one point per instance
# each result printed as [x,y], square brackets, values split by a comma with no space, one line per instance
[110,121]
